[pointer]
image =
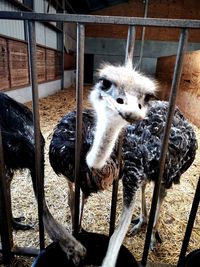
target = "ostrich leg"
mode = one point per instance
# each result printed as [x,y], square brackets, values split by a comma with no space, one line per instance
[17,223]
[118,236]
[142,220]
[155,235]
[71,201]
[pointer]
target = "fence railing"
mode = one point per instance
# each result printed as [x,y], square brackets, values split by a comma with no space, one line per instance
[82,20]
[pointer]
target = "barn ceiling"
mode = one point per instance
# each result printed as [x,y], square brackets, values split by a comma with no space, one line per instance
[85,6]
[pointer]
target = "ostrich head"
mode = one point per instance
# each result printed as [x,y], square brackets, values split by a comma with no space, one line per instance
[122,93]
[119,97]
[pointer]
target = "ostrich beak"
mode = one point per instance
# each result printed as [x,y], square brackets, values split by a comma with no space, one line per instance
[111,103]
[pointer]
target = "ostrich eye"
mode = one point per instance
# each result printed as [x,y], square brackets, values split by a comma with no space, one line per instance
[148,97]
[106,84]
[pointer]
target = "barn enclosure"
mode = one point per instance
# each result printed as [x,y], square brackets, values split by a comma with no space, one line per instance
[48,111]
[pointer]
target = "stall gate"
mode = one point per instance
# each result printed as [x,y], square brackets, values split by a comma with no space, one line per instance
[81,20]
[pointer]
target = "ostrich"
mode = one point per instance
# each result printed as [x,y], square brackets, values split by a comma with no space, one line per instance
[120,96]
[17,129]
[120,100]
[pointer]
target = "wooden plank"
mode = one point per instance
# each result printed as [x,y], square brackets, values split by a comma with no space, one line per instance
[50,64]
[18,59]
[40,51]
[58,64]
[188,98]
[4,70]
[156,9]
[14,67]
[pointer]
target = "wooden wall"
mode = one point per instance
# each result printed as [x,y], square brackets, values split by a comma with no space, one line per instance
[17,63]
[14,67]
[188,98]
[177,9]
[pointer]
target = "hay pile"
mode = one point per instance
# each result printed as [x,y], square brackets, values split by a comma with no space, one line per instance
[174,214]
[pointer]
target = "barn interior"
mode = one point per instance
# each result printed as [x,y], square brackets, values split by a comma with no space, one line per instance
[154,54]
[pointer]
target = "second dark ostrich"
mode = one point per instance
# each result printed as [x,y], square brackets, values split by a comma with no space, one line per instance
[120,100]
[17,129]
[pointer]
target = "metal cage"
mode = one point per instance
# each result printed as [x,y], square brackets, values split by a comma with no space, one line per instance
[81,20]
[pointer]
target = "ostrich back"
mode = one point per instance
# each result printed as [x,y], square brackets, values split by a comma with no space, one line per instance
[142,147]
[17,128]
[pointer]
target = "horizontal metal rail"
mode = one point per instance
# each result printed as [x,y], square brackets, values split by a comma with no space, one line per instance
[22,251]
[96,19]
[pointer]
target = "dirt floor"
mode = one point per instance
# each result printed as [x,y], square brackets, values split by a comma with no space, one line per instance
[174,214]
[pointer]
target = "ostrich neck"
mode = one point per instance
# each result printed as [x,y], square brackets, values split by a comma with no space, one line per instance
[105,137]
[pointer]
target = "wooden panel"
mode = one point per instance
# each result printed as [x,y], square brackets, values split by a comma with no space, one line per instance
[14,67]
[188,98]
[41,64]
[18,63]
[4,70]
[50,64]
[58,65]
[170,9]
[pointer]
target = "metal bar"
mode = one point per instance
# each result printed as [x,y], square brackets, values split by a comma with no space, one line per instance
[115,189]
[60,46]
[130,45]
[5,211]
[26,251]
[79,105]
[143,35]
[174,90]
[23,251]
[39,172]
[190,224]
[62,59]
[97,19]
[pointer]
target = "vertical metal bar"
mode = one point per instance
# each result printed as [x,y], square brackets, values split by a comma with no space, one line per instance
[61,42]
[115,189]
[37,137]
[79,104]
[5,211]
[190,224]
[174,90]
[62,59]
[26,28]
[130,44]
[143,35]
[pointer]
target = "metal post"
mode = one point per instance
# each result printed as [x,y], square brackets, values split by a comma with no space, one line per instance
[79,104]
[37,137]
[115,189]
[63,58]
[5,212]
[128,60]
[130,44]
[61,43]
[143,35]
[190,224]
[174,90]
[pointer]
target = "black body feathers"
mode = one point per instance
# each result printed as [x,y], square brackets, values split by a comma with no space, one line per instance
[17,128]
[141,150]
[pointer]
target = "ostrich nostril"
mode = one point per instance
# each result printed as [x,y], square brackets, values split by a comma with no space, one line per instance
[120,101]
[139,106]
